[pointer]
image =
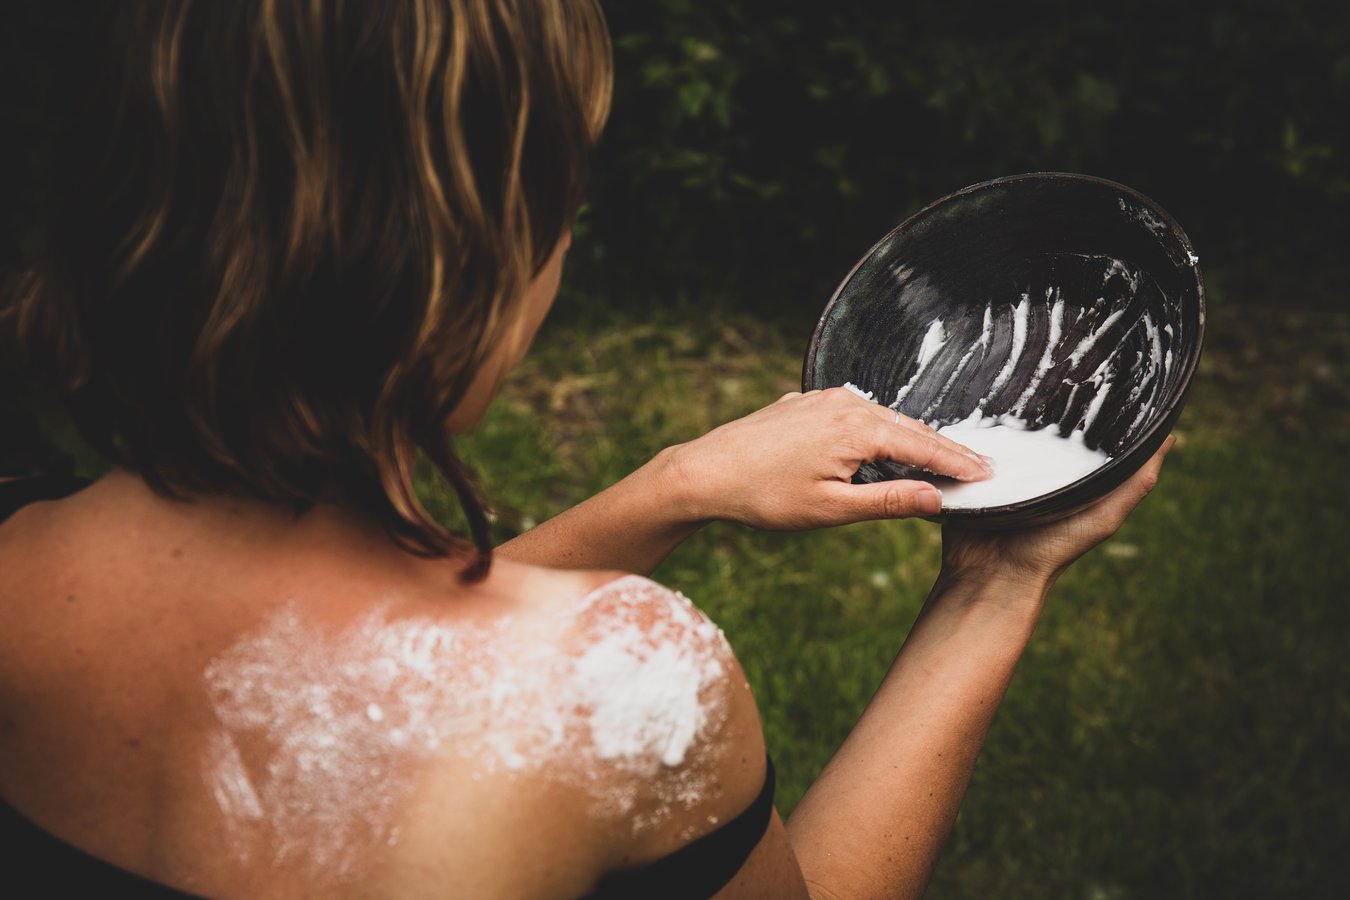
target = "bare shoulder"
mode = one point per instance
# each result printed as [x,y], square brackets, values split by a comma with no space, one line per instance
[669,710]
[347,721]
[634,735]
[356,735]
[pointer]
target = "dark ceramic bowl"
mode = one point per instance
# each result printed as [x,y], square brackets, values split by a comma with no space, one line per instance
[1062,299]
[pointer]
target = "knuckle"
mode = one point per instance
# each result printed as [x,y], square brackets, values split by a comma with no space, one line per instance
[894,502]
[858,415]
[854,444]
[930,449]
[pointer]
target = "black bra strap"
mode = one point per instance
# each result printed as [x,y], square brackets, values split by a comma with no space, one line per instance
[57,869]
[703,867]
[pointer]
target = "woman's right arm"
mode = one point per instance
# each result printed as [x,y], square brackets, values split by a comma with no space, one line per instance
[875,821]
[786,467]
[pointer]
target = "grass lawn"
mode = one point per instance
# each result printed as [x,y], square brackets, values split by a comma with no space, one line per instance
[1180,726]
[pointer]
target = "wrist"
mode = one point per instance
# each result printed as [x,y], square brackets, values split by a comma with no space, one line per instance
[1005,586]
[674,478]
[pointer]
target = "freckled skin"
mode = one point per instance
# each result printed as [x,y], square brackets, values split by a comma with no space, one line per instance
[353,714]
[109,743]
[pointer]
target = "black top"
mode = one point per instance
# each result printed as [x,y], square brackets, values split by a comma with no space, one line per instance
[699,869]
[47,863]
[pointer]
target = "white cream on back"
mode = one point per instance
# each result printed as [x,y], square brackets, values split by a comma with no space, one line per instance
[623,680]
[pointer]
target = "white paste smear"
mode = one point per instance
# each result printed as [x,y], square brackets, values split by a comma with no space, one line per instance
[1027,463]
[1062,350]
[933,340]
[1132,364]
[850,386]
[1019,340]
[622,680]
[1048,356]
[986,337]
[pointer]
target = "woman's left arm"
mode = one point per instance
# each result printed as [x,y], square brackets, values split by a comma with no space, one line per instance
[785,467]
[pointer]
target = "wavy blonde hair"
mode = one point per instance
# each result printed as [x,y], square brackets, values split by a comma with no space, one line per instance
[295,229]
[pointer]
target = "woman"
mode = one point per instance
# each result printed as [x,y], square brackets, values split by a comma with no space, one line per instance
[301,246]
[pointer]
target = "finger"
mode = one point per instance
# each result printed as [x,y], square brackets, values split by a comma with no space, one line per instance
[929,451]
[914,425]
[887,500]
[923,428]
[1125,498]
[1145,480]
[788,396]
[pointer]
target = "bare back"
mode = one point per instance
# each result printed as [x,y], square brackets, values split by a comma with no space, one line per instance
[236,700]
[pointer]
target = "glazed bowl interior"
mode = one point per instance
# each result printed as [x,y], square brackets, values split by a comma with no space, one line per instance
[1057,299]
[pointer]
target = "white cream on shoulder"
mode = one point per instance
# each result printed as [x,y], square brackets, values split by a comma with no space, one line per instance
[607,693]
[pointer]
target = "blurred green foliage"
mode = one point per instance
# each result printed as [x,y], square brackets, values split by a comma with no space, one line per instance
[758,147]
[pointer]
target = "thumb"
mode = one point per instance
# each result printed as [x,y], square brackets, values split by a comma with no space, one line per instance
[893,500]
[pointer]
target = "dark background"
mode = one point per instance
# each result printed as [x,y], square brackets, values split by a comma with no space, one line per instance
[758,147]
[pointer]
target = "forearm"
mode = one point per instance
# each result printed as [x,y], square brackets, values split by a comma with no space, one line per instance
[874,823]
[631,526]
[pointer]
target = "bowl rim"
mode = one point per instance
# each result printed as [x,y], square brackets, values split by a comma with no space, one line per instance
[1166,412]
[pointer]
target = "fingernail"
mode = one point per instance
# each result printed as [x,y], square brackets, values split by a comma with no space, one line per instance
[985,461]
[987,469]
[929,501]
